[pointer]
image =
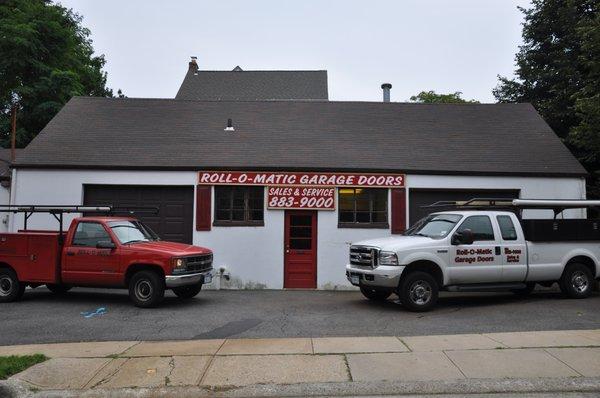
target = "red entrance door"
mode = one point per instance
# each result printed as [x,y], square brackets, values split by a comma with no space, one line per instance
[300,250]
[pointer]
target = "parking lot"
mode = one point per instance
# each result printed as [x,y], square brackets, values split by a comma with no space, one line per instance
[44,317]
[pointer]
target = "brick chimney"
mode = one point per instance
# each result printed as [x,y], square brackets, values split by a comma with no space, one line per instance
[193,65]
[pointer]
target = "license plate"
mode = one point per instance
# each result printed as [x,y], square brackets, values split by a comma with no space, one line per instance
[208,278]
[354,279]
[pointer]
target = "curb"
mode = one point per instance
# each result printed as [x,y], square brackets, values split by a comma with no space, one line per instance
[471,386]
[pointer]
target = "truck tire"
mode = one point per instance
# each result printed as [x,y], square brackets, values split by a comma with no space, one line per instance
[577,281]
[418,291]
[58,289]
[10,287]
[375,294]
[187,292]
[146,289]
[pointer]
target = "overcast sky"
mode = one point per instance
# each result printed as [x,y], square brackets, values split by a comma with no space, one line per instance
[441,45]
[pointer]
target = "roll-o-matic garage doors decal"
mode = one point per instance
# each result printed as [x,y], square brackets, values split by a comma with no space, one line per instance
[365,180]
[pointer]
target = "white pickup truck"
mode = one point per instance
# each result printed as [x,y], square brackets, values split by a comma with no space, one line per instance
[478,248]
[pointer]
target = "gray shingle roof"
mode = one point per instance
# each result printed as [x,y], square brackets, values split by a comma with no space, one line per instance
[253,85]
[492,139]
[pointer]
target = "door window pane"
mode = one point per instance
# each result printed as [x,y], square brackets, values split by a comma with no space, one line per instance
[507,228]
[89,234]
[481,226]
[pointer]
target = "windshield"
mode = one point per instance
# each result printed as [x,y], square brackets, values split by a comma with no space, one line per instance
[435,226]
[132,231]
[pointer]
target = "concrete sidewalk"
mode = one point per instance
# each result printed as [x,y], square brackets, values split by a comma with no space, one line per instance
[224,366]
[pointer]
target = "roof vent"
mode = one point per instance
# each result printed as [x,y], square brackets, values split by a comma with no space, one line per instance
[237,69]
[386,91]
[229,125]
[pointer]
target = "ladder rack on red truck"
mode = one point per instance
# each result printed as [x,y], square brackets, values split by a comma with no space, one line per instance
[57,211]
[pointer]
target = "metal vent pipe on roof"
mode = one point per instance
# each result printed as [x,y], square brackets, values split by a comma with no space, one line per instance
[229,125]
[386,91]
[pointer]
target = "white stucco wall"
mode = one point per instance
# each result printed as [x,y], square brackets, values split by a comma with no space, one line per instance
[4,200]
[253,256]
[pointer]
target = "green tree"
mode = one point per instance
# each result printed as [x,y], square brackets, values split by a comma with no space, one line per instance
[431,97]
[558,71]
[46,57]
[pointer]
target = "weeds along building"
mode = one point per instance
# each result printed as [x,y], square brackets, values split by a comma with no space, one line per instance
[276,179]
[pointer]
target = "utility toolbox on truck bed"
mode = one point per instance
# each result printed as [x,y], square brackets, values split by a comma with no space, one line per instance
[106,250]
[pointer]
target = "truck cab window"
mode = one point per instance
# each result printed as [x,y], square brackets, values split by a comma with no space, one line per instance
[89,234]
[481,226]
[507,228]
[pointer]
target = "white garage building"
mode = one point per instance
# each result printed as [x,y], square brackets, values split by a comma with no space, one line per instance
[279,189]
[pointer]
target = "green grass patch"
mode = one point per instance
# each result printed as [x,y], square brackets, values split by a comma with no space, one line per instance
[17,363]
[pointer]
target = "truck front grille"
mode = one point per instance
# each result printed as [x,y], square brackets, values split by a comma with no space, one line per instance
[364,256]
[199,263]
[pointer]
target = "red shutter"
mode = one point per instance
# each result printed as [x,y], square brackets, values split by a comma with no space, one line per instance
[398,210]
[203,213]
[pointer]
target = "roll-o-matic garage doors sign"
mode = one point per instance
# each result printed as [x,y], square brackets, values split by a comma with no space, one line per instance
[301,179]
[291,190]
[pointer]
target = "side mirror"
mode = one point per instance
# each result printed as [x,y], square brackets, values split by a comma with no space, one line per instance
[105,244]
[463,238]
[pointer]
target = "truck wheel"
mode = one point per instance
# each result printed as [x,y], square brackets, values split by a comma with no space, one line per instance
[577,280]
[58,289]
[146,289]
[525,291]
[375,294]
[187,292]
[418,291]
[10,287]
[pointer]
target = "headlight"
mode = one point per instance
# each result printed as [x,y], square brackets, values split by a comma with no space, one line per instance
[178,264]
[388,258]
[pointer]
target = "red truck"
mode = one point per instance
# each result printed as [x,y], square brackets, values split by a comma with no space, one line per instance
[105,251]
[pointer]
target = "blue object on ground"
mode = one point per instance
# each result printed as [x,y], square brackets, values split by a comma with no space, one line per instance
[89,314]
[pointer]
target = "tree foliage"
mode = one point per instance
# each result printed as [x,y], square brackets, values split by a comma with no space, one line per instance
[431,97]
[558,71]
[46,57]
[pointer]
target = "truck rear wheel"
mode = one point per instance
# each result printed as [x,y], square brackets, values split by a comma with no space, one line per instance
[418,291]
[375,294]
[187,292]
[58,289]
[10,287]
[146,289]
[576,281]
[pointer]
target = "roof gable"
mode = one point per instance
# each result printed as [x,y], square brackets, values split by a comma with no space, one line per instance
[240,85]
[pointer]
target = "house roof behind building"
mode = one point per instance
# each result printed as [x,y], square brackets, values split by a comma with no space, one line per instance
[5,162]
[240,85]
[489,139]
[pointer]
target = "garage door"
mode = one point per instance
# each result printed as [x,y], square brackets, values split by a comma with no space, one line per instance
[174,221]
[423,197]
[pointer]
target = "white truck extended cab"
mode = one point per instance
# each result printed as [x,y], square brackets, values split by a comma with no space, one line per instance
[479,250]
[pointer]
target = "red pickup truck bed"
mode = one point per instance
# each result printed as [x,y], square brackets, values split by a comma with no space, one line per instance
[34,255]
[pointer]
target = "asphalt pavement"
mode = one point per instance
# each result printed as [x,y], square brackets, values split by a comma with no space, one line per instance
[42,317]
